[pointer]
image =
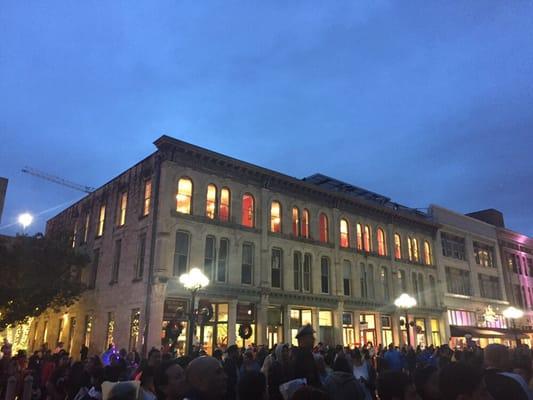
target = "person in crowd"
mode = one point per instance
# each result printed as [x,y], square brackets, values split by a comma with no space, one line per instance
[148,391]
[396,385]
[426,383]
[393,359]
[341,384]
[206,379]
[303,363]
[502,384]
[248,363]
[252,385]
[364,373]
[279,371]
[269,359]
[459,381]
[84,351]
[231,368]
[170,381]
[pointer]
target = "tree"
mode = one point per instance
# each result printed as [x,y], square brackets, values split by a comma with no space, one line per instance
[37,273]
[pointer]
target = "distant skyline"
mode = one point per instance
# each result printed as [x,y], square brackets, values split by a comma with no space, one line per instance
[423,102]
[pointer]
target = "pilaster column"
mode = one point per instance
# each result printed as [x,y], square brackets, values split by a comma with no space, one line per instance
[155,319]
[357,325]
[232,321]
[287,324]
[337,323]
[261,320]
[315,323]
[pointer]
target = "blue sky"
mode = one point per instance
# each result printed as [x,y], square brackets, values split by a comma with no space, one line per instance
[425,102]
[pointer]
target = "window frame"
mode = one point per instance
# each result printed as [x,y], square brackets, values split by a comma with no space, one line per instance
[247,210]
[224,209]
[276,227]
[382,244]
[325,278]
[185,197]
[211,197]
[344,236]
[323,227]
[176,264]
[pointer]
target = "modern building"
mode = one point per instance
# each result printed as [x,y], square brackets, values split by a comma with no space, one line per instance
[279,252]
[3,190]
[471,277]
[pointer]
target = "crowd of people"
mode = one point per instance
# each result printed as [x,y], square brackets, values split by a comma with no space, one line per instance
[306,371]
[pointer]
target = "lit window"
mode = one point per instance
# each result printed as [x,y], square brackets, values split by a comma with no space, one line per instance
[184,196]
[122,209]
[211,201]
[86,227]
[101,220]
[247,214]
[345,240]
[397,247]
[305,223]
[147,197]
[275,217]
[223,210]
[323,226]
[381,242]
[359,237]
[75,234]
[413,249]
[295,221]
[427,253]
[366,239]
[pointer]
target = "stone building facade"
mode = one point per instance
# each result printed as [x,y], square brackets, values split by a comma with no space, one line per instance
[279,252]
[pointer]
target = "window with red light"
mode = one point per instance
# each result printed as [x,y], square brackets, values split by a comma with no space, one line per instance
[397,247]
[224,207]
[359,237]
[323,227]
[275,217]
[367,239]
[211,201]
[305,223]
[381,242]
[247,214]
[344,237]
[184,196]
[295,221]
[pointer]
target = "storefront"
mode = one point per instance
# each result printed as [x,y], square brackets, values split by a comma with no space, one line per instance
[348,330]
[325,323]
[274,325]
[386,330]
[299,318]
[367,327]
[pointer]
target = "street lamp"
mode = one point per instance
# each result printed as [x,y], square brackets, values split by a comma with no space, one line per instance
[513,314]
[193,281]
[406,302]
[25,220]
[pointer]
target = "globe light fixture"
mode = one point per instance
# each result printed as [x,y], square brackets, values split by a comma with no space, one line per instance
[194,280]
[513,314]
[25,220]
[406,302]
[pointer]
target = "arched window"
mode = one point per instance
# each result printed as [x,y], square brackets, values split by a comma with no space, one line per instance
[413,249]
[184,196]
[323,226]
[427,253]
[359,237]
[211,201]
[305,223]
[366,239]
[275,217]
[224,207]
[247,214]
[397,247]
[345,238]
[382,251]
[295,221]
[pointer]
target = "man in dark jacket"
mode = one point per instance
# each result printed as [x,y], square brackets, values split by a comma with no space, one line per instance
[501,384]
[231,368]
[302,360]
[341,384]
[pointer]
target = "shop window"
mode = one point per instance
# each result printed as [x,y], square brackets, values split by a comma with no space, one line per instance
[110,329]
[324,274]
[88,330]
[382,250]
[323,227]
[184,196]
[348,330]
[386,330]
[344,236]
[367,325]
[397,247]
[211,201]
[307,272]
[325,323]
[427,253]
[359,235]
[222,262]
[134,328]
[275,268]
[247,263]
[224,206]
[435,332]
[297,270]
[295,221]
[275,217]
[247,214]
[347,277]
[181,253]
[367,239]
[305,223]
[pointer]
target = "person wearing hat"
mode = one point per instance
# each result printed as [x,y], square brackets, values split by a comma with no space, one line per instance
[302,363]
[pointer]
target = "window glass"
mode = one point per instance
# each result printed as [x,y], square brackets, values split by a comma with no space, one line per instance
[344,238]
[211,201]
[295,221]
[323,227]
[181,253]
[247,263]
[397,247]
[276,268]
[247,214]
[324,274]
[224,208]
[381,242]
[184,196]
[275,217]
[367,239]
[305,223]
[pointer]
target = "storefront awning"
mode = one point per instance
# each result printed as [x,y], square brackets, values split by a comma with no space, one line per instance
[461,331]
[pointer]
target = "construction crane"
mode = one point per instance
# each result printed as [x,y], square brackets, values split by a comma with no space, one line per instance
[58,180]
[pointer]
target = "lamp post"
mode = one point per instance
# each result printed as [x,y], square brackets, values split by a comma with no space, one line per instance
[513,314]
[25,220]
[406,302]
[193,281]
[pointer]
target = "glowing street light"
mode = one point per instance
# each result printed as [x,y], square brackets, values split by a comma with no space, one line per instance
[25,220]
[193,281]
[513,314]
[406,302]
